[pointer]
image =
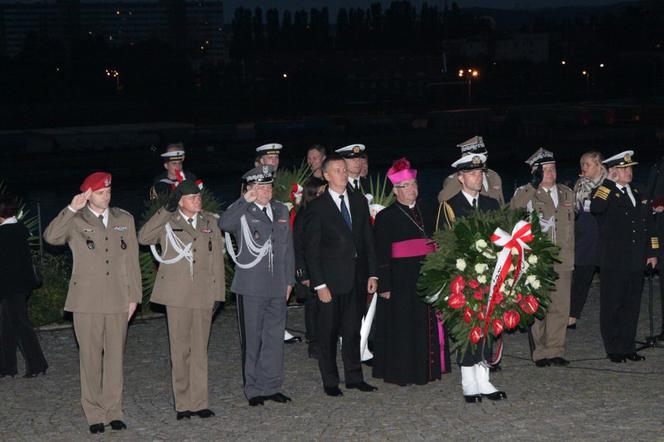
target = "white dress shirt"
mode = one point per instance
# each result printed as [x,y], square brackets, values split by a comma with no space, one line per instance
[629,192]
[104,214]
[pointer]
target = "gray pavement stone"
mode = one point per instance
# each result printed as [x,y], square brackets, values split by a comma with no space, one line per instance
[591,400]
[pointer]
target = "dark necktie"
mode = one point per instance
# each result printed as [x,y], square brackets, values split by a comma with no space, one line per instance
[345,213]
[474,203]
[101,220]
[356,184]
[624,191]
[190,221]
[266,214]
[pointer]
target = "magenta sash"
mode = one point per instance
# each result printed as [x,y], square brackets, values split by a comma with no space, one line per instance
[412,247]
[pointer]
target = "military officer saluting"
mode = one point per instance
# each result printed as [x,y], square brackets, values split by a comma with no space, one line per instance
[492,185]
[189,281]
[553,203]
[104,289]
[164,183]
[627,244]
[263,280]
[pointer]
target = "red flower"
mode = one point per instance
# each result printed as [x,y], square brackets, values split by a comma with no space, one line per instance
[478,295]
[400,164]
[519,297]
[480,315]
[475,335]
[511,319]
[467,315]
[473,283]
[457,300]
[457,285]
[497,325]
[498,297]
[529,304]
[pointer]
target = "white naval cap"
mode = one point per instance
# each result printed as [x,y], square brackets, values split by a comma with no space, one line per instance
[174,155]
[269,149]
[623,159]
[473,145]
[470,162]
[351,151]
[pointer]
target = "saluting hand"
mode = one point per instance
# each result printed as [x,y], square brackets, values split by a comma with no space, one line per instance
[250,195]
[79,201]
[372,285]
[324,295]
[652,261]
[289,289]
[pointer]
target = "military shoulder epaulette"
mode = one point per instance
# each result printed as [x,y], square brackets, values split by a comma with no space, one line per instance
[602,192]
[654,242]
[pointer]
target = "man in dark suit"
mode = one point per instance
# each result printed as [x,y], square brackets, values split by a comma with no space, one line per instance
[341,258]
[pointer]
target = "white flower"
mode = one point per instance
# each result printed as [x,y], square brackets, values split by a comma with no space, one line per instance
[533,281]
[524,266]
[487,254]
[532,259]
[509,282]
[461,264]
[536,284]
[481,279]
[481,268]
[515,251]
[480,244]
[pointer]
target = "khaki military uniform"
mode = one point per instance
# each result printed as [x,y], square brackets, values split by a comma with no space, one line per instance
[558,222]
[105,279]
[494,188]
[188,292]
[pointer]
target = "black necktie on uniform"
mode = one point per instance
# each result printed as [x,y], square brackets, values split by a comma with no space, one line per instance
[266,214]
[190,221]
[474,203]
[101,219]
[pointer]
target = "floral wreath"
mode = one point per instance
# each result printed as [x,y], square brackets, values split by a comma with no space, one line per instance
[484,280]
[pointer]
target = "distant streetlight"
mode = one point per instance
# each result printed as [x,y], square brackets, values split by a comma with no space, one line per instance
[113,73]
[470,74]
[601,65]
[284,75]
[563,62]
[586,74]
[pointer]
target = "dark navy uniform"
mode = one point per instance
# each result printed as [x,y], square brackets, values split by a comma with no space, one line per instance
[626,241]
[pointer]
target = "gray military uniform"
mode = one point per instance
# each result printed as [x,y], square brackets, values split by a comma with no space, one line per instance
[261,292]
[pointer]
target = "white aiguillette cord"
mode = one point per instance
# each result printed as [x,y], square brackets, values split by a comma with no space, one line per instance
[253,248]
[183,250]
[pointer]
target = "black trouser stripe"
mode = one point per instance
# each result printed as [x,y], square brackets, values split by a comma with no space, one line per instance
[241,330]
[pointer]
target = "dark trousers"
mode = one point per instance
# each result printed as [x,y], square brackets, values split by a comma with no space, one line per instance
[472,357]
[341,316]
[581,280]
[16,332]
[620,304]
[310,311]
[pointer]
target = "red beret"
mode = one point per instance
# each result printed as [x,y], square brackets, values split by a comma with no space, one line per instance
[96,181]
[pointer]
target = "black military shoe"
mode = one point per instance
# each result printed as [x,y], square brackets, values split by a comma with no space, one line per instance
[118,425]
[254,401]
[293,340]
[473,398]
[558,361]
[635,357]
[179,415]
[617,358]
[205,413]
[543,362]
[495,396]
[362,386]
[333,391]
[96,428]
[278,397]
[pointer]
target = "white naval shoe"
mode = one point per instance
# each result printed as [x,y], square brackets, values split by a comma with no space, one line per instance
[290,339]
[471,391]
[485,387]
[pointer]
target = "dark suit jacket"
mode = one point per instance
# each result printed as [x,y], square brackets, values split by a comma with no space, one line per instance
[459,207]
[335,256]
[16,271]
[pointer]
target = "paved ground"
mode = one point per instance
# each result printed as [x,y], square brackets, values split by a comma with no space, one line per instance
[593,399]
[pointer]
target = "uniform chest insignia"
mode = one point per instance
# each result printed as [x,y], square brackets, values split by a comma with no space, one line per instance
[255,220]
[282,220]
[567,204]
[206,230]
[617,195]
[120,228]
[88,230]
[257,235]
